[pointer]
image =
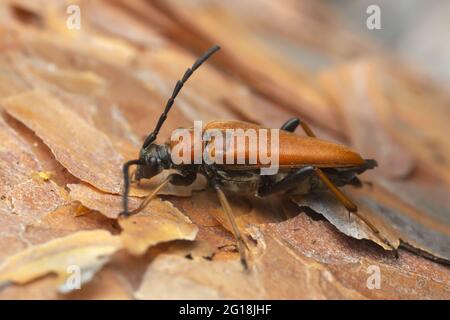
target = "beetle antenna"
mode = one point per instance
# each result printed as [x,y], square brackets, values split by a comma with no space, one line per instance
[126,184]
[152,136]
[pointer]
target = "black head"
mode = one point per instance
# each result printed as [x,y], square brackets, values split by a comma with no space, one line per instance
[154,158]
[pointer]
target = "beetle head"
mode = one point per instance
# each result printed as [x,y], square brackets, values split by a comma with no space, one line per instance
[154,158]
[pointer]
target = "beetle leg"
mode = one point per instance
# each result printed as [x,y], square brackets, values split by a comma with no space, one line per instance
[351,207]
[147,199]
[176,179]
[306,128]
[346,202]
[240,241]
[133,177]
[291,125]
[237,234]
[288,182]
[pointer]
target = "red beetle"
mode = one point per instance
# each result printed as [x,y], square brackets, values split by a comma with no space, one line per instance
[306,164]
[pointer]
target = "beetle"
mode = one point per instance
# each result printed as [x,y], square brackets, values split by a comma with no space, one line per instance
[306,164]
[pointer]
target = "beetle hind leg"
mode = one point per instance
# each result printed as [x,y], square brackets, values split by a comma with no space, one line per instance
[346,202]
[291,125]
[351,207]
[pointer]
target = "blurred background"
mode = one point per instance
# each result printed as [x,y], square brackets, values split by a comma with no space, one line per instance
[411,29]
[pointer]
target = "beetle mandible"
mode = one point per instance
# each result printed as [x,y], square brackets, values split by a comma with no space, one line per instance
[306,164]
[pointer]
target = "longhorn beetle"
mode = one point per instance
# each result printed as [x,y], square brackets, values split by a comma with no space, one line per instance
[307,164]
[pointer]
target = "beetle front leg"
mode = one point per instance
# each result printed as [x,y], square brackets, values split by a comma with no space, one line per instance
[175,179]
